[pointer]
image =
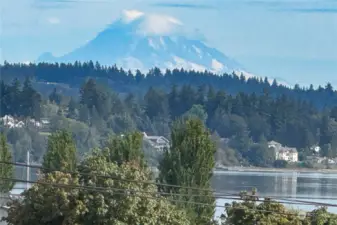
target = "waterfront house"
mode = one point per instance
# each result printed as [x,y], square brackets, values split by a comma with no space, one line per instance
[157,142]
[283,152]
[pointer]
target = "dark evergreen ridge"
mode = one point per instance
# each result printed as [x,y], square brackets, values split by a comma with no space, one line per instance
[247,120]
[124,81]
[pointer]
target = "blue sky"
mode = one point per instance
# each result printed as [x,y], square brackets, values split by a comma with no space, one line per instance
[295,40]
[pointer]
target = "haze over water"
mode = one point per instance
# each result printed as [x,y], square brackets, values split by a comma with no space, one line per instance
[314,187]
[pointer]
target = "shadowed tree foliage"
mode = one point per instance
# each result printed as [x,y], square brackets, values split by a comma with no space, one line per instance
[44,204]
[240,110]
[61,153]
[125,148]
[190,162]
[124,202]
[6,170]
[89,198]
[270,212]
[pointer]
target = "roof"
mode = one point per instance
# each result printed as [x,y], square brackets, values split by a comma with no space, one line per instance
[287,149]
[274,143]
[154,138]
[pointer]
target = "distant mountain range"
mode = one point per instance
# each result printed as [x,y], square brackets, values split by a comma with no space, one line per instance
[141,41]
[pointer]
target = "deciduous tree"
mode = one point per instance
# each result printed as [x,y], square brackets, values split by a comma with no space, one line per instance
[6,170]
[61,153]
[190,162]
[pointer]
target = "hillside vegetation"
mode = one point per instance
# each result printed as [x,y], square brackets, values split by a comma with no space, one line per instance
[241,114]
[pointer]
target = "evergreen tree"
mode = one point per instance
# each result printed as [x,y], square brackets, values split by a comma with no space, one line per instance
[84,114]
[174,102]
[61,153]
[190,162]
[5,101]
[125,148]
[156,103]
[72,109]
[198,112]
[6,170]
[55,97]
[30,100]
[15,98]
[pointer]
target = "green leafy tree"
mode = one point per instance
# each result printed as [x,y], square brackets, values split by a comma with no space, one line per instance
[61,153]
[58,203]
[270,212]
[266,213]
[197,111]
[321,216]
[260,155]
[125,148]
[76,200]
[119,205]
[190,162]
[6,170]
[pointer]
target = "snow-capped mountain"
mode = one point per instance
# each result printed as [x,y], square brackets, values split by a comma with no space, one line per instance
[141,41]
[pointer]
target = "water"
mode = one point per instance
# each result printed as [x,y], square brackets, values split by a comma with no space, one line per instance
[314,187]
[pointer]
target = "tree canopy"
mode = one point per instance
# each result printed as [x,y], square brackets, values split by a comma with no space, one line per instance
[6,170]
[61,153]
[190,162]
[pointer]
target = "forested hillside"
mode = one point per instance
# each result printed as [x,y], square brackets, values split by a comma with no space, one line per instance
[69,77]
[242,115]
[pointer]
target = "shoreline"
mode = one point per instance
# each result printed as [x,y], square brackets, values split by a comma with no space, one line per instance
[283,170]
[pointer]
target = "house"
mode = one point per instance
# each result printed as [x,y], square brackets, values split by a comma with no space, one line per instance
[11,122]
[274,144]
[316,149]
[157,142]
[283,152]
[287,154]
[315,159]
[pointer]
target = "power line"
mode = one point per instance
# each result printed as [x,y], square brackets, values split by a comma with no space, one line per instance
[216,194]
[289,202]
[109,177]
[145,192]
[153,195]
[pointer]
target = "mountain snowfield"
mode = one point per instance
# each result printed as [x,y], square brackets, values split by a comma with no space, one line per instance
[143,41]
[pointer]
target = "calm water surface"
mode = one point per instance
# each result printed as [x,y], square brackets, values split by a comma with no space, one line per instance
[318,187]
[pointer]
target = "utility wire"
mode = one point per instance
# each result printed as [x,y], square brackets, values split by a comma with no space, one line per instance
[170,194]
[145,192]
[108,177]
[216,194]
[151,195]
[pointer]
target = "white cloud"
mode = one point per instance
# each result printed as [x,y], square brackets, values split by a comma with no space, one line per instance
[54,20]
[152,24]
[130,15]
[160,24]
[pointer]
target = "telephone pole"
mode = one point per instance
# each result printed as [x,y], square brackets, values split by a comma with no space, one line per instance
[28,169]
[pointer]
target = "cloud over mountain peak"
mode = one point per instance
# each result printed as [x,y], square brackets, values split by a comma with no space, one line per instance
[130,15]
[142,41]
[152,24]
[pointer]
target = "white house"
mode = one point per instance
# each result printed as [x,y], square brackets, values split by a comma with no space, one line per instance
[283,152]
[158,142]
[11,122]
